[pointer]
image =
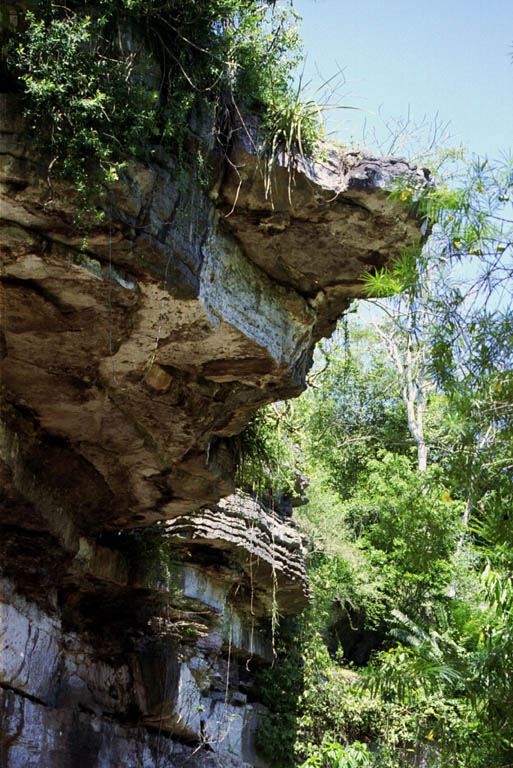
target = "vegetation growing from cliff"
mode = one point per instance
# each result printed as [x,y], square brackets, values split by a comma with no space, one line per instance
[406,653]
[105,81]
[407,431]
[268,462]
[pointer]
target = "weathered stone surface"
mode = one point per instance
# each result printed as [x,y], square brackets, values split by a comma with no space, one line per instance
[267,549]
[128,360]
[35,736]
[317,225]
[142,351]
[177,667]
[58,737]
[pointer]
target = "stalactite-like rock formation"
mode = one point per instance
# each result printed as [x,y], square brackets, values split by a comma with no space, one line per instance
[127,364]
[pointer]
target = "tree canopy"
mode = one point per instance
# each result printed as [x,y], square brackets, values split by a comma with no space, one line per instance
[406,437]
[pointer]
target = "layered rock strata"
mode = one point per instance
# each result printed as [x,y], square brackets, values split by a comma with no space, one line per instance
[129,358]
[152,648]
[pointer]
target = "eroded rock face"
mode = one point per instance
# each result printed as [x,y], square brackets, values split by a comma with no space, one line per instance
[317,226]
[266,548]
[162,632]
[142,351]
[58,692]
[128,361]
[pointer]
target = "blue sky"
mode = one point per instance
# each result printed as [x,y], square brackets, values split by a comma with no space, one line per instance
[447,57]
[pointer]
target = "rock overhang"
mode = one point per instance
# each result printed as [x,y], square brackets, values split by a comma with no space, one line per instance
[128,361]
[145,347]
[312,224]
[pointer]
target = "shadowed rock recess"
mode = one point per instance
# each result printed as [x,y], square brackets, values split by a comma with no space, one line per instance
[127,363]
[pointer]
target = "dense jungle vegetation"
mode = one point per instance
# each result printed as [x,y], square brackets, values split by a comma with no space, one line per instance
[406,437]
[405,434]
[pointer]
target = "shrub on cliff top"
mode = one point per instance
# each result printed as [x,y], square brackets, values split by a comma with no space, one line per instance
[103,81]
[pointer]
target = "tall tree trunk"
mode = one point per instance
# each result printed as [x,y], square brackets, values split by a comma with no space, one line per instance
[408,353]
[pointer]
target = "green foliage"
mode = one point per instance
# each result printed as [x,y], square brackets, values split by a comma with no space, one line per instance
[402,275]
[121,78]
[266,453]
[334,755]
[396,525]
[463,661]
[343,582]
[353,411]
[412,521]
[332,707]
[279,689]
[311,702]
[79,102]
[433,548]
[293,125]
[468,689]
[324,714]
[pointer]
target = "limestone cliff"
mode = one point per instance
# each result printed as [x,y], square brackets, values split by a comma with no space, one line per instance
[128,361]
